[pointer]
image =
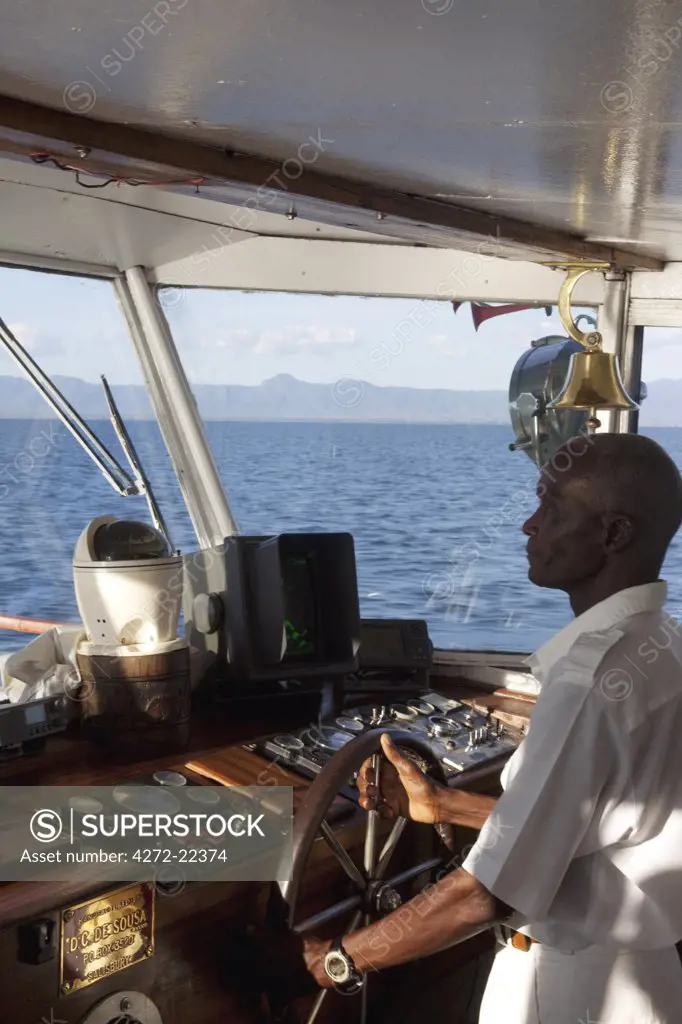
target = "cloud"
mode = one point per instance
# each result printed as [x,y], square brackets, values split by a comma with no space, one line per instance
[443,344]
[233,337]
[453,348]
[26,334]
[288,340]
[303,339]
[37,342]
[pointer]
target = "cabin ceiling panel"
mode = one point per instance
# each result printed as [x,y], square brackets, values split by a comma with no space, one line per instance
[207,207]
[82,229]
[568,115]
[265,211]
[47,214]
[78,232]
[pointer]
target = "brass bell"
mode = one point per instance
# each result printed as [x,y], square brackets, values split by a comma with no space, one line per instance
[593,380]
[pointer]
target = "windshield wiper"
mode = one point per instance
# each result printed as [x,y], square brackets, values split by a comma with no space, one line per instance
[141,480]
[112,470]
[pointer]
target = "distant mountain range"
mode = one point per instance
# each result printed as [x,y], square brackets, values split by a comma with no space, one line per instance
[285,398]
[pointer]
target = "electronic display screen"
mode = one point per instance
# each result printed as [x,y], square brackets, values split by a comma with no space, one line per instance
[300,610]
[379,644]
[34,714]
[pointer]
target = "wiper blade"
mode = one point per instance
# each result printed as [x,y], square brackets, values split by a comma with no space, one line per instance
[98,452]
[141,479]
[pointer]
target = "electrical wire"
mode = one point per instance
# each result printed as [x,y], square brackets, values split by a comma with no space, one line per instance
[115,179]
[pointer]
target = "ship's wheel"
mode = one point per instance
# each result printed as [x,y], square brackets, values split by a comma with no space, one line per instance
[372,889]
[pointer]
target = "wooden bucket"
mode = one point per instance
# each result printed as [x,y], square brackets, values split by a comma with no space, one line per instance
[139,701]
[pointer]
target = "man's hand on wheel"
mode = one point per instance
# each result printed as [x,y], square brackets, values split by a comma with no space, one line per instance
[404,791]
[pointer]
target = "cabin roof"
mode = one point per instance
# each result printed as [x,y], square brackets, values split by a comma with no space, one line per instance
[559,122]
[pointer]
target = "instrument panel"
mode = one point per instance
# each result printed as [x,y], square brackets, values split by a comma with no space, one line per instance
[460,738]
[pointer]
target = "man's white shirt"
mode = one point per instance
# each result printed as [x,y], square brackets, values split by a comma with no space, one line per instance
[585,842]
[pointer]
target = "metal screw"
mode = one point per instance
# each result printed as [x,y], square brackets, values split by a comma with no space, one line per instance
[125,1005]
[83,151]
[68,914]
[381,216]
[149,950]
[66,987]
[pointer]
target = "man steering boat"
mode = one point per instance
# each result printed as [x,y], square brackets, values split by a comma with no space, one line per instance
[578,865]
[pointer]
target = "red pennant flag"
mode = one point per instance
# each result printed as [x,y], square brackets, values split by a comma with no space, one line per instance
[481,311]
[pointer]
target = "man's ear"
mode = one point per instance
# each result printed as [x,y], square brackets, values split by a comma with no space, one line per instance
[619,531]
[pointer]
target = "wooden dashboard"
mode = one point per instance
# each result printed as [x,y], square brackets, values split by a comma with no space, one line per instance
[196,971]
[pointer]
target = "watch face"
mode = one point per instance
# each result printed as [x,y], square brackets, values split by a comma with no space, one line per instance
[337,967]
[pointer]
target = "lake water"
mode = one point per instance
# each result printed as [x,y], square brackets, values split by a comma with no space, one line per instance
[435,512]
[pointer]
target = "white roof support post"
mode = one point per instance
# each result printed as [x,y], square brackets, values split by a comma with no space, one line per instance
[626,341]
[176,410]
[612,325]
[630,361]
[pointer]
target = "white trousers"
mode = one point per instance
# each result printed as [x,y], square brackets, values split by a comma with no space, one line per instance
[593,986]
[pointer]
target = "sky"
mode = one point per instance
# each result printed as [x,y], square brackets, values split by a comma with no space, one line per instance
[73,327]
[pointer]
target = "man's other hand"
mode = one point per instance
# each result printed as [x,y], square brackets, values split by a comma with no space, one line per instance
[403,791]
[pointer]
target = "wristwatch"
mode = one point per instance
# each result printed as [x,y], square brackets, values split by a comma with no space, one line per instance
[339,966]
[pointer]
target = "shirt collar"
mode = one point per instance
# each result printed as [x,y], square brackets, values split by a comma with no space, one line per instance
[650,597]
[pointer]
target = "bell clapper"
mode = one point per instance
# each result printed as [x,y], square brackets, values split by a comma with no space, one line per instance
[593,423]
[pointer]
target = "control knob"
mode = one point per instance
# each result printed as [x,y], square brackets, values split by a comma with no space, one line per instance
[403,713]
[440,726]
[421,707]
[380,715]
[478,736]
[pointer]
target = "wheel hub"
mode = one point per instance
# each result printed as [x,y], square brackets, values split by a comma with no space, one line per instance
[383,898]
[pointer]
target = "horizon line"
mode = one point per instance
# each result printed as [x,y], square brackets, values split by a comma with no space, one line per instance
[329,384]
[310,419]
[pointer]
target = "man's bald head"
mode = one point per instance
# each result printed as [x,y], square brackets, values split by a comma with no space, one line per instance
[629,474]
[609,504]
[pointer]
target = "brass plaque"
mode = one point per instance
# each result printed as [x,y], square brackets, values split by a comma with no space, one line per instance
[103,936]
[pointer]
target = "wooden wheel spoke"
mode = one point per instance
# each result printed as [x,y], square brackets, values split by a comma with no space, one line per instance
[323,916]
[349,866]
[317,1005]
[418,869]
[364,995]
[389,847]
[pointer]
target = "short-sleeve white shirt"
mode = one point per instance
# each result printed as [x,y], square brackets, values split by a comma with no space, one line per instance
[585,842]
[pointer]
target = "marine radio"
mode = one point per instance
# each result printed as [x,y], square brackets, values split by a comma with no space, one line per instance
[22,724]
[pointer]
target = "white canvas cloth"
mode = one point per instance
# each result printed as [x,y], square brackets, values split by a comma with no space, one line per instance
[43,667]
